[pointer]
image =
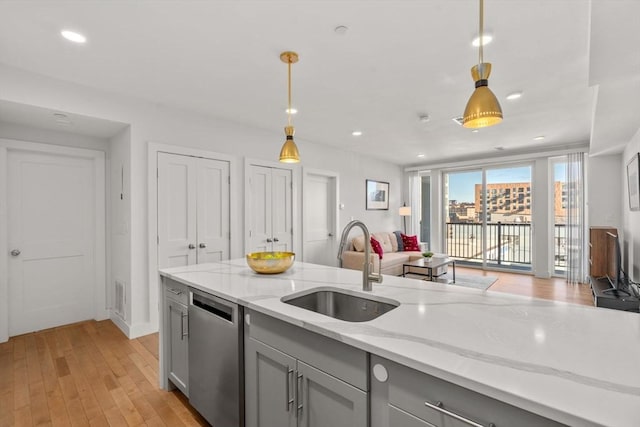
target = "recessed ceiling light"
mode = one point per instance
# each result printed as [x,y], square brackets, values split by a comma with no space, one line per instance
[420,155]
[73,36]
[356,133]
[61,118]
[293,111]
[539,138]
[514,95]
[486,39]
[341,29]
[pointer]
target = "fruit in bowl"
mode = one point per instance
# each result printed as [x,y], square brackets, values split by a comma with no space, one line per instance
[427,254]
[270,262]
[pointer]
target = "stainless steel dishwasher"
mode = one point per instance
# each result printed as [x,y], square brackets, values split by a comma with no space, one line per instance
[216,359]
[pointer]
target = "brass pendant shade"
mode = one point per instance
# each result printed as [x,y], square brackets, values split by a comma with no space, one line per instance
[289,152]
[483,108]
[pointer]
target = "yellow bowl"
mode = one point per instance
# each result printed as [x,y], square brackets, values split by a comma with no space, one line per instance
[270,262]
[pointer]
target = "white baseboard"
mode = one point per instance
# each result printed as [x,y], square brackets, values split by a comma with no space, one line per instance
[133,331]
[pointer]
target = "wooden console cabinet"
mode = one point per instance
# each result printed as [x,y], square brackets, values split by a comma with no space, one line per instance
[598,250]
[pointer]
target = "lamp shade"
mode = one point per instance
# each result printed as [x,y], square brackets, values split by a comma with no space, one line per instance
[289,152]
[483,108]
[405,211]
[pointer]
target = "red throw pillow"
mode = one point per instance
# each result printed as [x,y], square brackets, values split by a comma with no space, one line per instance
[410,243]
[377,247]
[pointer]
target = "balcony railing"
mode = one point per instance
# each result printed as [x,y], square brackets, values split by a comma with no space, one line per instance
[507,244]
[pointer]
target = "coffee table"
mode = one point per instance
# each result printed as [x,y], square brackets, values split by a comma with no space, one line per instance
[431,266]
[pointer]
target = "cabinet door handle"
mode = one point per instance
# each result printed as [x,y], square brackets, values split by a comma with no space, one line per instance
[269,240]
[184,334]
[289,381]
[438,407]
[275,239]
[202,245]
[299,396]
[192,246]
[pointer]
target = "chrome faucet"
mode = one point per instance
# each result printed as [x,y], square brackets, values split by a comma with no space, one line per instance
[367,275]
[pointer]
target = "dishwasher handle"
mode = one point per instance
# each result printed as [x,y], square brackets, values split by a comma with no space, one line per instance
[213,307]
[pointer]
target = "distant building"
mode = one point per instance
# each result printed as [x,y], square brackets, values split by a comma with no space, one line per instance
[506,202]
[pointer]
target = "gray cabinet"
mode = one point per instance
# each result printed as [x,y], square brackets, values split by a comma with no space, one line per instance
[409,398]
[313,382]
[176,326]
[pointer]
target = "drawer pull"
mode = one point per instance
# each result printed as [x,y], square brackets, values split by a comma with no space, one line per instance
[438,407]
[175,291]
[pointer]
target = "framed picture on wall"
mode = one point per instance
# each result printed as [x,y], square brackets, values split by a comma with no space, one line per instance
[377,195]
[633,182]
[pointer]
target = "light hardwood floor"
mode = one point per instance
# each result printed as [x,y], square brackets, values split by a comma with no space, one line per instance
[86,374]
[522,284]
[89,373]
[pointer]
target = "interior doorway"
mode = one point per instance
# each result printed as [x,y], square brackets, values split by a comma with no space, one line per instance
[54,233]
[320,216]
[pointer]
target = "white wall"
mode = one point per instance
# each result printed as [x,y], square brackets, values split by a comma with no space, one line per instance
[630,220]
[46,136]
[152,123]
[604,191]
[119,193]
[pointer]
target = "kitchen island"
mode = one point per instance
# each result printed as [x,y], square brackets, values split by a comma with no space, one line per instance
[576,365]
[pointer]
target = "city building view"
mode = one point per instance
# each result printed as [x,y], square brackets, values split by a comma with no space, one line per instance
[508,209]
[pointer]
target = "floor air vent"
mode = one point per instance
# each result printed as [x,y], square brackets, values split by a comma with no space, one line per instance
[119,303]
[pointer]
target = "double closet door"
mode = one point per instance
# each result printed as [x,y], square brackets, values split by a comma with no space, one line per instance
[270,212]
[193,210]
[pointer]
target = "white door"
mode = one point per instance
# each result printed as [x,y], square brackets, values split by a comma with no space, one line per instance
[281,210]
[193,210]
[213,210]
[177,195]
[51,230]
[320,245]
[270,209]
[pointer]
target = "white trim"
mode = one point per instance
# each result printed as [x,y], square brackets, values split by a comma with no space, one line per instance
[296,239]
[98,157]
[152,224]
[491,161]
[336,190]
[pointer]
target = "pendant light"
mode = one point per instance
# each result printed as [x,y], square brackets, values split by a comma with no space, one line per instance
[483,108]
[289,152]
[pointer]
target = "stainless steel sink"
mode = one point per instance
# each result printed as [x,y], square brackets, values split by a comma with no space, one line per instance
[341,305]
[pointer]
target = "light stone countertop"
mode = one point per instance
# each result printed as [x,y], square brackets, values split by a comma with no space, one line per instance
[575,364]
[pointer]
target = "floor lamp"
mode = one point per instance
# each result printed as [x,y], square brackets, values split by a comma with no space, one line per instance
[404,212]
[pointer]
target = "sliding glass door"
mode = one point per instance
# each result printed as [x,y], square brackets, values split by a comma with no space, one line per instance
[489,216]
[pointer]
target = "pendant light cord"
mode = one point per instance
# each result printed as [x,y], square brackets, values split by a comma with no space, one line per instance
[481,39]
[289,79]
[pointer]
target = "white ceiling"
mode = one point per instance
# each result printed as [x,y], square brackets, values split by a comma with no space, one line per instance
[577,65]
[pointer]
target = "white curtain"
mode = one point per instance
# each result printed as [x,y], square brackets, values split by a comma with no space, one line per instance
[575,211]
[414,202]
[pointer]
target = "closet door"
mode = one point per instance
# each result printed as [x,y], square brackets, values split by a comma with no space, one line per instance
[269,204]
[177,195]
[213,210]
[193,210]
[259,205]
[281,210]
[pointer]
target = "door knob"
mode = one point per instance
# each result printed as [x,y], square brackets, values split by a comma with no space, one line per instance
[269,240]
[192,246]
[275,239]
[202,245]
[330,234]
[15,252]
